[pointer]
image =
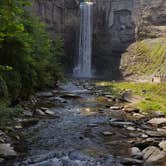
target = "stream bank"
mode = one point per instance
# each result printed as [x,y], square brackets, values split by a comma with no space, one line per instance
[88,126]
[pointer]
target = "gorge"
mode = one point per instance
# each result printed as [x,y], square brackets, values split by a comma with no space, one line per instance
[83,83]
[116,24]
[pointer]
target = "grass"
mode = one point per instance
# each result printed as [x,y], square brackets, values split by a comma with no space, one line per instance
[154,95]
[146,57]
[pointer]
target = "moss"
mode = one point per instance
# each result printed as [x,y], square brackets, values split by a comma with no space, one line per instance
[145,58]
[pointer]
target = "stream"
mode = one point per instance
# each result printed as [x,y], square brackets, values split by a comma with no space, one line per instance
[81,133]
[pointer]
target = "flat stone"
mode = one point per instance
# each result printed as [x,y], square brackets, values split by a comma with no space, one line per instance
[49,112]
[153,154]
[115,108]
[130,128]
[107,133]
[157,121]
[157,114]
[115,122]
[155,133]
[138,116]
[44,94]
[130,161]
[162,145]
[44,108]
[7,151]
[39,112]
[70,96]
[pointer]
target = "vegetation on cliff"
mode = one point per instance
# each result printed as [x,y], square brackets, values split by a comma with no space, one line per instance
[145,58]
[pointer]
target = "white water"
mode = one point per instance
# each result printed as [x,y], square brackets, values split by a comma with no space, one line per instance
[84,64]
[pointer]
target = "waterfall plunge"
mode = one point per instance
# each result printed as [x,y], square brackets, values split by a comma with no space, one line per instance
[84,66]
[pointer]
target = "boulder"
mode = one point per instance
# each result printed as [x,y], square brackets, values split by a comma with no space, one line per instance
[153,154]
[162,145]
[7,151]
[136,152]
[157,122]
[129,97]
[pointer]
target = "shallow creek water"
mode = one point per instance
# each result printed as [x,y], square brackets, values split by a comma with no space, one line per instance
[76,137]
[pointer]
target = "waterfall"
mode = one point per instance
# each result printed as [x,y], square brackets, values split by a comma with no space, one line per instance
[83,67]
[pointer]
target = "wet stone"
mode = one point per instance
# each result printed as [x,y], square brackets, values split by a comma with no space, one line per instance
[6,150]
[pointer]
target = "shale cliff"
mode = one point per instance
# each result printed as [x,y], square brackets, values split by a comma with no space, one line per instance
[116,24]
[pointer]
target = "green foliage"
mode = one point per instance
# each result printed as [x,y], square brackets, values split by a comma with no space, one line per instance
[28,58]
[7,114]
[3,89]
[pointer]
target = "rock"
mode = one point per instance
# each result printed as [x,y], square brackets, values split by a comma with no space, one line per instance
[59,99]
[131,161]
[107,133]
[138,116]
[157,122]
[129,97]
[146,143]
[144,136]
[44,94]
[109,96]
[18,127]
[115,108]
[44,109]
[135,152]
[131,109]
[162,145]
[115,122]
[155,133]
[157,114]
[130,128]
[49,112]
[7,151]
[1,160]
[152,154]
[27,113]
[70,96]
[39,112]
[119,114]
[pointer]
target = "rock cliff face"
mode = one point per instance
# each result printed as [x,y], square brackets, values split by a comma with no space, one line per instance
[117,23]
